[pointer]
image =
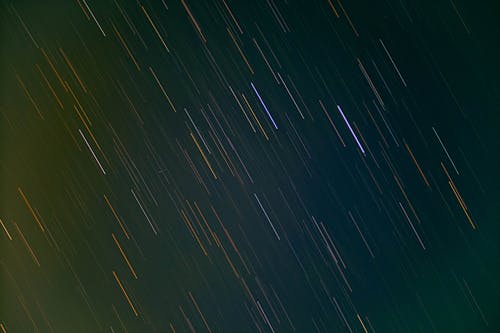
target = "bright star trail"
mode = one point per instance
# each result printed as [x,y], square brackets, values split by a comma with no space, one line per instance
[267,166]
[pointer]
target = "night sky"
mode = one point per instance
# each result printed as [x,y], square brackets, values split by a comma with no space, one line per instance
[249,166]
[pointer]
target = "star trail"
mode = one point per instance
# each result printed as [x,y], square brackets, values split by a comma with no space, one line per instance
[249,166]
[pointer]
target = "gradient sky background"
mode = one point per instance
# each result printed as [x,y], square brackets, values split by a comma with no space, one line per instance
[249,166]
